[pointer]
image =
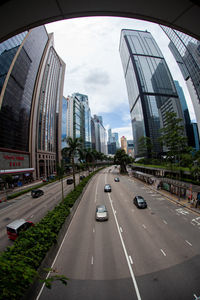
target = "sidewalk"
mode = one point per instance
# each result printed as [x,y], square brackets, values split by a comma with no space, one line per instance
[183,202]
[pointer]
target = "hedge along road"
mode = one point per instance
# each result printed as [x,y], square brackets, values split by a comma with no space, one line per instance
[32,209]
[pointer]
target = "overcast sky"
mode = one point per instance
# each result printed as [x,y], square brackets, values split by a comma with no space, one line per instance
[90,49]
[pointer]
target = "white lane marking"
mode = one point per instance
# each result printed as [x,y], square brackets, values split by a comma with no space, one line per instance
[154,195]
[92,260]
[120,229]
[126,255]
[95,200]
[130,258]
[149,207]
[188,243]
[31,216]
[133,210]
[195,221]
[115,210]
[196,298]
[144,226]
[93,230]
[160,199]
[164,221]
[163,252]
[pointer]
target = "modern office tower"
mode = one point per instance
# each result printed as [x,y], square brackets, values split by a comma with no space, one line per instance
[186,51]
[93,138]
[79,119]
[87,119]
[64,122]
[100,134]
[150,86]
[124,143]
[191,128]
[112,148]
[116,136]
[130,148]
[28,87]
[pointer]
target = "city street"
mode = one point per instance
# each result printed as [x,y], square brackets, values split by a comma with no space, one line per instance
[31,209]
[148,253]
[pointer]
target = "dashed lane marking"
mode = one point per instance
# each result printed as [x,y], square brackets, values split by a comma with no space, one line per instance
[130,258]
[188,243]
[163,252]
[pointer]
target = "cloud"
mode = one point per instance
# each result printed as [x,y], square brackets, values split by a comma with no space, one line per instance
[97,77]
[124,131]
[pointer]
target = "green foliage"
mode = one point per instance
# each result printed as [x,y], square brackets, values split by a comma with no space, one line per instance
[122,159]
[173,137]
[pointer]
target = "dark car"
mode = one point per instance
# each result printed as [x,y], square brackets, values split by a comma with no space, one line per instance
[116,179]
[101,213]
[140,202]
[82,177]
[107,188]
[37,193]
[70,181]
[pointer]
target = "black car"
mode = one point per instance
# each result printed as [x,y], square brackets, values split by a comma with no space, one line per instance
[107,188]
[82,177]
[116,179]
[37,193]
[70,181]
[140,202]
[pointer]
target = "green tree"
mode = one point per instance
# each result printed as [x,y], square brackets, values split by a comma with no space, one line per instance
[145,146]
[74,149]
[173,137]
[122,159]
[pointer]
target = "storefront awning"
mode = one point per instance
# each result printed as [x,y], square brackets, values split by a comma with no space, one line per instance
[14,171]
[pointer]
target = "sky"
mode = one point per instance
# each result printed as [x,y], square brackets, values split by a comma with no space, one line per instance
[90,49]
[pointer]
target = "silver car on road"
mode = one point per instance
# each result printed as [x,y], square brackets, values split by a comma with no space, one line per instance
[101,213]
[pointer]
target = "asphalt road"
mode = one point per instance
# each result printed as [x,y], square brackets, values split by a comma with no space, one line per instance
[31,209]
[148,254]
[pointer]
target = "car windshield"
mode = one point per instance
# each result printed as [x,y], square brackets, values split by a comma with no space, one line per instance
[101,209]
[140,200]
[107,186]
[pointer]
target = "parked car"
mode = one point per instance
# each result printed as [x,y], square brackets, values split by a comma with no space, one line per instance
[107,188]
[70,180]
[82,177]
[37,193]
[116,179]
[45,180]
[14,228]
[140,202]
[101,213]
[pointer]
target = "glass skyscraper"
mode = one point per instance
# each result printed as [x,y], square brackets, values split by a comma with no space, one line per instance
[149,85]
[186,51]
[79,119]
[31,84]
[64,122]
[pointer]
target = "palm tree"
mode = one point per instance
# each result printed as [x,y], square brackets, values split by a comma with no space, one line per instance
[73,149]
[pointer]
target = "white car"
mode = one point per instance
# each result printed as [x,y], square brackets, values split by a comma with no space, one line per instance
[101,213]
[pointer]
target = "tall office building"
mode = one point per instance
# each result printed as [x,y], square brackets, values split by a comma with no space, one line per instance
[64,123]
[150,86]
[130,148]
[124,143]
[113,141]
[191,128]
[79,119]
[31,82]
[100,134]
[186,51]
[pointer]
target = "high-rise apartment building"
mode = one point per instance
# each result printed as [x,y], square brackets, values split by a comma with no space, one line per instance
[130,148]
[79,119]
[186,51]
[150,87]
[31,83]
[124,143]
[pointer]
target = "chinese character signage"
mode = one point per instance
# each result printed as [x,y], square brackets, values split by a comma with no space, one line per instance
[13,161]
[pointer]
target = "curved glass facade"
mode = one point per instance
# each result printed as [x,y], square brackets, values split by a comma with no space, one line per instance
[17,99]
